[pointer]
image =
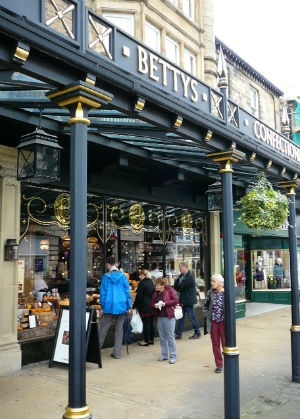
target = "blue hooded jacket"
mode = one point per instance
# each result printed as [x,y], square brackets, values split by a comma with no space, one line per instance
[115,295]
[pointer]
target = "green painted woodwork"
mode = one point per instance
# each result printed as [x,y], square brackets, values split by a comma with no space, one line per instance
[275,297]
[240,309]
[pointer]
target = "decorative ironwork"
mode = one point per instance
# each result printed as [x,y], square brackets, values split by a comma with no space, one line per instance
[216,101]
[136,217]
[40,212]
[102,36]
[186,222]
[233,114]
[60,18]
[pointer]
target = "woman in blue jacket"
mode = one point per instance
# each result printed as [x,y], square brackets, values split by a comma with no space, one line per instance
[115,301]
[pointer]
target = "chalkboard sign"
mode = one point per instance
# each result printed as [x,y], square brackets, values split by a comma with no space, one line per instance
[60,352]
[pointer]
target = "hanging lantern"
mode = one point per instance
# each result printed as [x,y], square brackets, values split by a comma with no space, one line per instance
[38,156]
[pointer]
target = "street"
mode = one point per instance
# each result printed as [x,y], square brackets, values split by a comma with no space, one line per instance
[137,386]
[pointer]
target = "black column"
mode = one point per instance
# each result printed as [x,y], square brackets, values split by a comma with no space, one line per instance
[230,350]
[79,98]
[231,353]
[295,328]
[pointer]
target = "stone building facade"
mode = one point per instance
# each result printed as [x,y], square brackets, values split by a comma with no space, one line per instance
[251,90]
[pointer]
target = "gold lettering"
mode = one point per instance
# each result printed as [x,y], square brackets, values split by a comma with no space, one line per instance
[153,67]
[185,82]
[165,65]
[194,96]
[142,57]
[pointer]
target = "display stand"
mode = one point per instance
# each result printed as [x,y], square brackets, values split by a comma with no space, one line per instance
[60,352]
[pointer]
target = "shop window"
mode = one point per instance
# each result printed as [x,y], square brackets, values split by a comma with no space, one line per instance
[152,36]
[188,8]
[172,50]
[44,253]
[189,61]
[270,269]
[124,21]
[134,232]
[185,240]
[254,102]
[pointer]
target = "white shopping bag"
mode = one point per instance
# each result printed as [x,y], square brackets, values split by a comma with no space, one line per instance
[136,322]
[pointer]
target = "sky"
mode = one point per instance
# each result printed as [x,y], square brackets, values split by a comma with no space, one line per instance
[266,34]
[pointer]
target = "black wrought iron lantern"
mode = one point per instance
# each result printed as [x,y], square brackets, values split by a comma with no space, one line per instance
[38,156]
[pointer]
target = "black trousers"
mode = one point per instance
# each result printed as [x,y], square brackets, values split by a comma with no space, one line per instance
[148,328]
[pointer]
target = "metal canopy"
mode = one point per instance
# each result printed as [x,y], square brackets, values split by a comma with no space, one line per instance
[56,59]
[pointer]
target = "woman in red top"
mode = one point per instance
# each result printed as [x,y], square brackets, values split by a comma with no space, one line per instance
[163,301]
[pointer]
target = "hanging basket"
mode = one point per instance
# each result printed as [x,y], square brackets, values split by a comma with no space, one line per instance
[263,208]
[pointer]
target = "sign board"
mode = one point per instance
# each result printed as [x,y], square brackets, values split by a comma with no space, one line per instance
[21,275]
[60,351]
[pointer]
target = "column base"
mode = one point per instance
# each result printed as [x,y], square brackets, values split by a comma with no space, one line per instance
[10,358]
[231,383]
[77,413]
[295,341]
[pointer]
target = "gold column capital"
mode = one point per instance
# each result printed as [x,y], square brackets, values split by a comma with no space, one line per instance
[226,158]
[290,186]
[79,98]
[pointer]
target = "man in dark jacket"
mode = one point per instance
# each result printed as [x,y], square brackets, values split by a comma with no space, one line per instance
[186,286]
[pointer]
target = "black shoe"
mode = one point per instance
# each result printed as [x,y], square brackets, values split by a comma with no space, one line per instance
[218,370]
[114,356]
[143,344]
[151,342]
[195,336]
[177,337]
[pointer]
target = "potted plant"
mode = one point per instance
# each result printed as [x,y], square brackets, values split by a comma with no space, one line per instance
[263,208]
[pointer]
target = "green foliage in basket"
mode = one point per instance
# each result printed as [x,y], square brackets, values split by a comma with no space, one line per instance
[263,208]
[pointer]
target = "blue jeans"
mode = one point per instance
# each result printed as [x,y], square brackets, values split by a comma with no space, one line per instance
[166,327]
[190,312]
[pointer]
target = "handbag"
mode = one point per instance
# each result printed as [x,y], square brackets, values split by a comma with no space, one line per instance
[136,322]
[178,312]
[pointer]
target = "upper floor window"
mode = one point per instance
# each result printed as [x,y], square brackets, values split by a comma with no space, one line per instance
[172,50]
[189,61]
[188,8]
[152,36]
[125,21]
[254,102]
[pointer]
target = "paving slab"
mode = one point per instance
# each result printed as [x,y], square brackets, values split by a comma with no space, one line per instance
[137,386]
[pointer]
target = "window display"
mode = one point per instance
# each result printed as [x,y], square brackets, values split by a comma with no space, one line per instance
[270,269]
[138,235]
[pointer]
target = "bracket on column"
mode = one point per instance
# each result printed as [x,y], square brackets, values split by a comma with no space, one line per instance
[80,97]
[290,186]
[225,158]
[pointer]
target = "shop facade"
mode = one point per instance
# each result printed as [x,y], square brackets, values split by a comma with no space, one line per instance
[142,197]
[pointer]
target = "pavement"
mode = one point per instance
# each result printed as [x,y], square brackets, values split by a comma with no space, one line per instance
[137,386]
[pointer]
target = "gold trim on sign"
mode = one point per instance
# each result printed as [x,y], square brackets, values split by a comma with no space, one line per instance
[78,86]
[178,122]
[82,99]
[21,53]
[295,328]
[77,413]
[221,153]
[231,351]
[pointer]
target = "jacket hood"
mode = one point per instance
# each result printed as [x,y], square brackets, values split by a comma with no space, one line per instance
[115,276]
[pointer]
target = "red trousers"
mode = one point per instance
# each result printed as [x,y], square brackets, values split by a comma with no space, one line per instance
[217,335]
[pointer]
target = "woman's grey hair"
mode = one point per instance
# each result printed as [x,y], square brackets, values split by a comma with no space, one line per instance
[219,278]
